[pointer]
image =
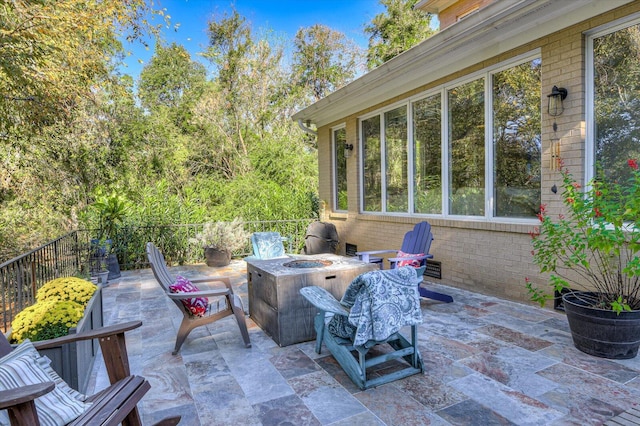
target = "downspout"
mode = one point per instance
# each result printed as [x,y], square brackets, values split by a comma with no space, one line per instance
[306,129]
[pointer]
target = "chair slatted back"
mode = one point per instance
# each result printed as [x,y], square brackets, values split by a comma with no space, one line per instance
[159,268]
[418,240]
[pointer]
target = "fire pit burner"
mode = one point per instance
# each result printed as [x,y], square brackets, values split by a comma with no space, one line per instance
[308,263]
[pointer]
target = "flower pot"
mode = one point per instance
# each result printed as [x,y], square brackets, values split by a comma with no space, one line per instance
[216,258]
[601,332]
[113,266]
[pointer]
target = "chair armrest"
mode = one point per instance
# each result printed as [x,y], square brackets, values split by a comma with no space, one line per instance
[360,253]
[13,397]
[202,293]
[410,257]
[112,343]
[98,333]
[323,300]
[225,280]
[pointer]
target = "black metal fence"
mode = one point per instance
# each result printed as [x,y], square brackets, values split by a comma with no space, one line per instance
[69,255]
[22,276]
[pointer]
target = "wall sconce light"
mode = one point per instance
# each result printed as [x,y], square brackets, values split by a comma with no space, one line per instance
[555,101]
[348,147]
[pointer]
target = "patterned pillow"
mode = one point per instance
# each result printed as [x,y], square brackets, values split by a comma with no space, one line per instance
[196,305]
[413,262]
[21,367]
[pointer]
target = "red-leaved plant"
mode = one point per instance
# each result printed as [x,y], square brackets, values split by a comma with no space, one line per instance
[595,248]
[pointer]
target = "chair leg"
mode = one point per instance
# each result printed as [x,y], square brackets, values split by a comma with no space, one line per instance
[238,311]
[183,332]
[319,326]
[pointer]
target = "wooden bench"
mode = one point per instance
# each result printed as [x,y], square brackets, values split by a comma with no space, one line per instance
[112,406]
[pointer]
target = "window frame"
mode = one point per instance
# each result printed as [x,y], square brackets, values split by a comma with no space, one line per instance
[590,35]
[334,169]
[442,90]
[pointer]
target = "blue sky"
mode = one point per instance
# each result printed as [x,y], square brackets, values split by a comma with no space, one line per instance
[284,17]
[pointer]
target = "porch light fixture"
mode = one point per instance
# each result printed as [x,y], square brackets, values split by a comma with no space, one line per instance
[348,147]
[555,101]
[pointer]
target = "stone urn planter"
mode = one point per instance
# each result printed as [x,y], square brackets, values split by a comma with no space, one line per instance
[216,258]
[601,332]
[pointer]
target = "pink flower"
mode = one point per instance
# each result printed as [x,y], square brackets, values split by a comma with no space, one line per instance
[570,200]
[632,163]
[576,185]
[597,212]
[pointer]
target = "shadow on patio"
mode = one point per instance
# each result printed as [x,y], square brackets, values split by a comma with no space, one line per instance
[487,361]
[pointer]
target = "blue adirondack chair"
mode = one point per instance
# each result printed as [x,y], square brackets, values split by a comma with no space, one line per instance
[268,245]
[415,248]
[363,319]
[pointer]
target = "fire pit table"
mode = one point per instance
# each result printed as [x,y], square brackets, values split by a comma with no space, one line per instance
[275,303]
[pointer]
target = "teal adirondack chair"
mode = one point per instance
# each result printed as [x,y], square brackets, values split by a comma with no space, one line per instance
[375,307]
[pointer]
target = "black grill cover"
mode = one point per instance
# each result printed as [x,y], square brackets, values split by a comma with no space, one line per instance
[321,237]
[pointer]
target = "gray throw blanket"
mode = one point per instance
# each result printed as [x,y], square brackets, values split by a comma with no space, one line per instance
[381,302]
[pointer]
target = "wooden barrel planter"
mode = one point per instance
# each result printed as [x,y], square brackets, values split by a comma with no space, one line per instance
[601,332]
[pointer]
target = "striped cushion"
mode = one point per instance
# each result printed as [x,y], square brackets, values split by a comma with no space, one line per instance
[22,367]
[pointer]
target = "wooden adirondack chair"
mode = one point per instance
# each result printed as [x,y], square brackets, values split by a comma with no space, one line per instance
[355,358]
[190,321]
[112,406]
[415,247]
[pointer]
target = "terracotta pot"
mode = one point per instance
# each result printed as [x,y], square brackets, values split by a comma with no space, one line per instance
[216,258]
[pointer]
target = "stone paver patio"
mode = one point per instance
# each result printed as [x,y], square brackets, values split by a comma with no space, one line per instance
[488,361]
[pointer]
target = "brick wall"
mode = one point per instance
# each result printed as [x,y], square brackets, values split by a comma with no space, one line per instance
[488,257]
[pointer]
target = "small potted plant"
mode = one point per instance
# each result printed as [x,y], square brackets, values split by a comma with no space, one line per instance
[220,239]
[593,257]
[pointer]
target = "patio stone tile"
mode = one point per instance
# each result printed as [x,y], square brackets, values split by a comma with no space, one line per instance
[188,412]
[521,311]
[331,366]
[271,383]
[592,385]
[363,419]
[600,366]
[440,367]
[515,337]
[430,392]
[508,403]
[469,412]
[559,323]
[395,407]
[293,363]
[580,409]
[326,399]
[288,410]
[452,349]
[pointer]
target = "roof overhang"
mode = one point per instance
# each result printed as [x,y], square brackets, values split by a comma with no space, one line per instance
[495,29]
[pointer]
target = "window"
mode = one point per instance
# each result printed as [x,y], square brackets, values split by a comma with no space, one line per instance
[614,90]
[395,142]
[340,167]
[472,148]
[372,166]
[466,149]
[516,141]
[427,151]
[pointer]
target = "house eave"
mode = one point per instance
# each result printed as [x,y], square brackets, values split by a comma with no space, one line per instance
[498,28]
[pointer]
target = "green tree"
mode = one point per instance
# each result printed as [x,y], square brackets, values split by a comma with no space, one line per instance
[396,30]
[172,80]
[323,60]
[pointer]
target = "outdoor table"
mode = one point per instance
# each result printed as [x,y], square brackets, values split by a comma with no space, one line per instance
[275,302]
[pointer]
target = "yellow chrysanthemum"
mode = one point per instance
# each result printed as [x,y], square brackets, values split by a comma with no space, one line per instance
[67,289]
[46,319]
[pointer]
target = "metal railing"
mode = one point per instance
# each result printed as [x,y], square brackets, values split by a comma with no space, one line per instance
[21,277]
[69,255]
